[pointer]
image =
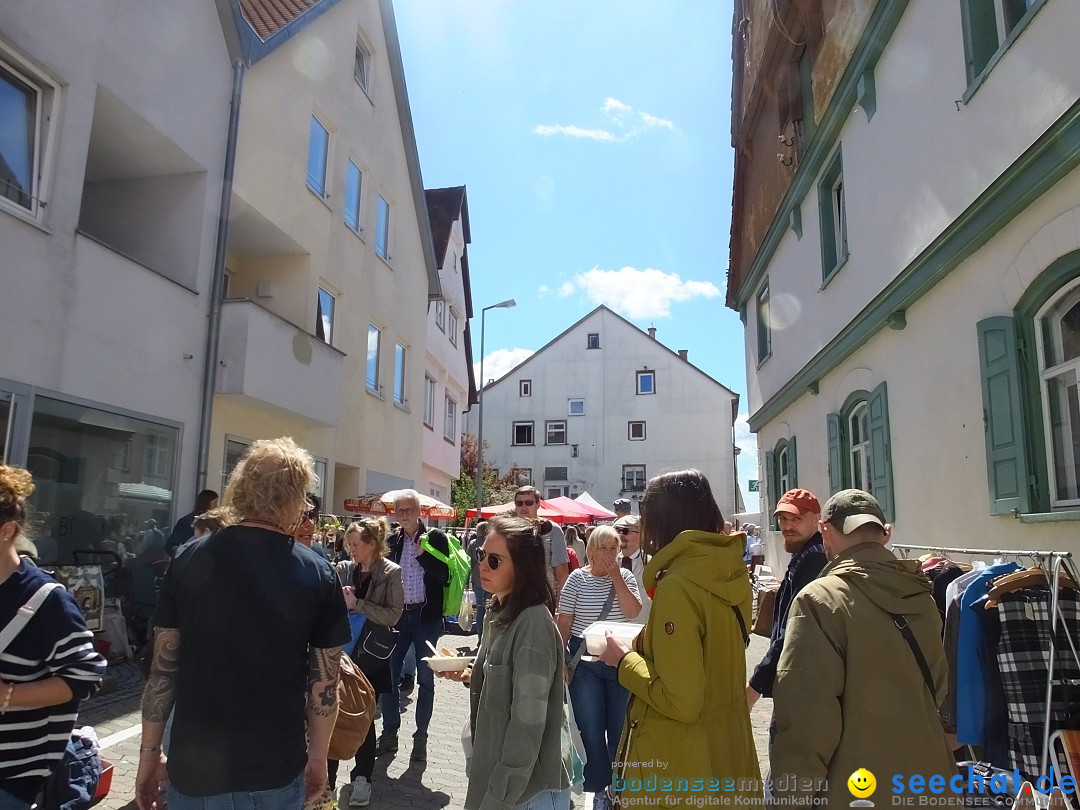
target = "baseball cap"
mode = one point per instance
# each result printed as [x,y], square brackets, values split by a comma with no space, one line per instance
[797,501]
[622,503]
[849,509]
[629,521]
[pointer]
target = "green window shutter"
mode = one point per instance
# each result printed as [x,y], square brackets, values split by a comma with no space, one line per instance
[1003,417]
[980,34]
[836,457]
[881,481]
[792,463]
[772,480]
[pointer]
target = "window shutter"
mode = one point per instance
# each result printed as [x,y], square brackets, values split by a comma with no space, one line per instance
[1003,417]
[836,458]
[772,483]
[881,481]
[792,463]
[980,34]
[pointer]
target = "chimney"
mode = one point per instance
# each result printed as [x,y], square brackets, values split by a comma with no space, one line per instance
[682,353]
[652,332]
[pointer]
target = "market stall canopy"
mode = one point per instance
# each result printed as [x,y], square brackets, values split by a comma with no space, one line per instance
[547,510]
[569,507]
[587,501]
[374,504]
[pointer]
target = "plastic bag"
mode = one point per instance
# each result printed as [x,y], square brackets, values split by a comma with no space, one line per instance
[467,611]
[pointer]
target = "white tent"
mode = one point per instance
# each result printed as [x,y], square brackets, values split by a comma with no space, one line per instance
[590,501]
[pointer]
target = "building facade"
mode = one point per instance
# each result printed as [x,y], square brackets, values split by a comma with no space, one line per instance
[603,408]
[905,255]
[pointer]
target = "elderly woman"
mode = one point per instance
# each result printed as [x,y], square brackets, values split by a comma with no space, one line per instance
[45,671]
[688,719]
[372,587]
[600,591]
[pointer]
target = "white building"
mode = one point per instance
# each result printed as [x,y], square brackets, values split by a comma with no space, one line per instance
[449,382]
[603,408]
[112,145]
[908,265]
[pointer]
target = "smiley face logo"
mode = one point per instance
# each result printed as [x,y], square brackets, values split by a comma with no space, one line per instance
[862,784]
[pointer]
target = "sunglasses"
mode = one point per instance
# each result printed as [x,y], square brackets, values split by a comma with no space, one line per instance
[625,530]
[524,503]
[493,560]
[311,514]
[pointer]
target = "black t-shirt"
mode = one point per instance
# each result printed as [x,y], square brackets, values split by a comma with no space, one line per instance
[249,603]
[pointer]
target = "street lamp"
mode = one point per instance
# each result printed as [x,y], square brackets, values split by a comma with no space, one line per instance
[510,302]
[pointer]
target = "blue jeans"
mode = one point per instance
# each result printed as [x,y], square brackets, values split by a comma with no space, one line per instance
[290,797]
[599,709]
[414,633]
[481,601]
[548,800]
[408,666]
[9,802]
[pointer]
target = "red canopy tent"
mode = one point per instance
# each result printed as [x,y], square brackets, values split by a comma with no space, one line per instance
[548,510]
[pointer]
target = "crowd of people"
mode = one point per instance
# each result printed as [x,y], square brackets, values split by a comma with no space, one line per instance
[253,619]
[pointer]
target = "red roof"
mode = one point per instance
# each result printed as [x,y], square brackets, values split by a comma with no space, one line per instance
[267,17]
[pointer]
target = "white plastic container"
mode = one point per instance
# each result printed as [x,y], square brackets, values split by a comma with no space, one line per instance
[596,633]
[454,663]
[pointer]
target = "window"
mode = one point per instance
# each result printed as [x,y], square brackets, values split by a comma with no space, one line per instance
[324,316]
[524,476]
[156,461]
[780,471]
[318,150]
[576,407]
[362,67]
[524,388]
[832,205]
[440,315]
[20,135]
[860,450]
[556,474]
[593,341]
[451,328]
[429,402]
[633,478]
[374,339]
[635,431]
[646,382]
[234,451]
[399,374]
[1059,374]
[764,327]
[987,24]
[522,433]
[354,184]
[450,419]
[558,492]
[382,229]
[556,432]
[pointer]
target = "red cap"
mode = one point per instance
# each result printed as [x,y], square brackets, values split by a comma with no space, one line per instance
[797,501]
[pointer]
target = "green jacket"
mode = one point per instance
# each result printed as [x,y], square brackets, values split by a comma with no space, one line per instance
[687,721]
[849,691]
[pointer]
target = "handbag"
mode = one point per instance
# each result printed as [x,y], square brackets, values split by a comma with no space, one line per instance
[573,660]
[763,616]
[376,641]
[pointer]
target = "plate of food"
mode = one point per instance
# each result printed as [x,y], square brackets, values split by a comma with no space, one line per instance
[448,661]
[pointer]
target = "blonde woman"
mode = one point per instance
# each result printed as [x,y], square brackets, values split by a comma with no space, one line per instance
[372,587]
[600,591]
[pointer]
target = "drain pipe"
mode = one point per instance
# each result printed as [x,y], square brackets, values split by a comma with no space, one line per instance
[218,285]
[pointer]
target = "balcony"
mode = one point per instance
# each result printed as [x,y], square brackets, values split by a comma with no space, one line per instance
[272,363]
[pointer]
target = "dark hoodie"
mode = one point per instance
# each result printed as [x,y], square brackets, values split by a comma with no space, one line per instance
[849,691]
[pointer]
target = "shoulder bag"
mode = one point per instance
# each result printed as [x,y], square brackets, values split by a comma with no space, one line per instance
[575,659]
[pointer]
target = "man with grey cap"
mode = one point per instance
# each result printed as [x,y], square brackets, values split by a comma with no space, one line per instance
[633,558]
[621,507]
[863,671]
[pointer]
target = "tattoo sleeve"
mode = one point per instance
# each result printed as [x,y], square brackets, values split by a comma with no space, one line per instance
[160,692]
[323,681]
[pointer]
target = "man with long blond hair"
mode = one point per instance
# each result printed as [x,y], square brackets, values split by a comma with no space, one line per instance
[250,626]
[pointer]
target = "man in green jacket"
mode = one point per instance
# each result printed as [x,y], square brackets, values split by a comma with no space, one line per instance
[862,673]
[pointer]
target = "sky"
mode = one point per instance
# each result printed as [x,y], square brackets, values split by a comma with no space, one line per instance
[593,137]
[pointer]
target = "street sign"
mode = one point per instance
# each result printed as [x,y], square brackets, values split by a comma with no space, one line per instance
[754,485]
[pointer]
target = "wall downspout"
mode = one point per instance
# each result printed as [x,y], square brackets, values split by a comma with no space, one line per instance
[217,287]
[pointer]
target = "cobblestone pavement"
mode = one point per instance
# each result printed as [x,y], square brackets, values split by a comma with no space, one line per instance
[397,782]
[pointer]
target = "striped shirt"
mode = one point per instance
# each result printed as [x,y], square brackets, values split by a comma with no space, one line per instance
[54,643]
[583,597]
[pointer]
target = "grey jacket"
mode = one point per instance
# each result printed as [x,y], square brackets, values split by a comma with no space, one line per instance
[521,738]
[385,599]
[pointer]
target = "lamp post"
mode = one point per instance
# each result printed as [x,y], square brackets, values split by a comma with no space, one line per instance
[510,302]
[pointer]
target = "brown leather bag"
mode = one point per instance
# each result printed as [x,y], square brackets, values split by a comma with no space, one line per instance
[763,614]
[356,711]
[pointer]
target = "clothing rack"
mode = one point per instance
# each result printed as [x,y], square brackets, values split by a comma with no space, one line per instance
[1059,561]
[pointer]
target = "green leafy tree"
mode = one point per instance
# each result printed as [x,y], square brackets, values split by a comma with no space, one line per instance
[496,488]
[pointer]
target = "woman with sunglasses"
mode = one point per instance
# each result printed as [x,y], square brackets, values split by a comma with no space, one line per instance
[521,739]
[601,591]
[372,586]
[687,719]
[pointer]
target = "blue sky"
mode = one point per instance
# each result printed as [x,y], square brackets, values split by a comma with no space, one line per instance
[594,139]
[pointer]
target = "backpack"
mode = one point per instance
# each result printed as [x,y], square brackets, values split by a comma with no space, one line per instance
[459,565]
[356,711]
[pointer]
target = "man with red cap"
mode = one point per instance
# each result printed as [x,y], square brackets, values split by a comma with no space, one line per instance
[797,513]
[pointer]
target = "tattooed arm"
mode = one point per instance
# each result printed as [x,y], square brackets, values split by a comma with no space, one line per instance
[157,703]
[322,709]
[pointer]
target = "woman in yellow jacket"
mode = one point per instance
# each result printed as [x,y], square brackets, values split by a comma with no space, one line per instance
[687,739]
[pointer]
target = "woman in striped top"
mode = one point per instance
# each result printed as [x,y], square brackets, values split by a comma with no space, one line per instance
[599,700]
[46,669]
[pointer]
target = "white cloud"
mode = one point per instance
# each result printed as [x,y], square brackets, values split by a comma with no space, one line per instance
[637,294]
[543,289]
[572,131]
[566,289]
[501,361]
[620,115]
